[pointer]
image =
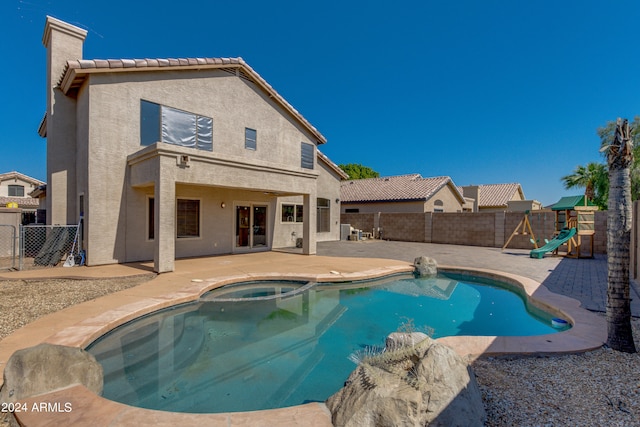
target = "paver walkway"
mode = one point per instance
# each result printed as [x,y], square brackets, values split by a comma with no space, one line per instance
[583,279]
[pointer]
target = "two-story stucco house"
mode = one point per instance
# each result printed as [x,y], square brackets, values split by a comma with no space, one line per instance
[15,191]
[170,158]
[15,188]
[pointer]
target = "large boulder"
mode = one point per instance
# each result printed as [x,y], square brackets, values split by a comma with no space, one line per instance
[47,367]
[425,266]
[414,382]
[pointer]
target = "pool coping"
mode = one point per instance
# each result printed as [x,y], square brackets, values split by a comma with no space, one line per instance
[587,333]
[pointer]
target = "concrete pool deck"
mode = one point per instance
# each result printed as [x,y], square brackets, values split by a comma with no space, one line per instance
[79,325]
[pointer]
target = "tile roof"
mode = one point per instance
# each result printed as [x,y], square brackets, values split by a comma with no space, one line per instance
[76,71]
[342,174]
[13,175]
[393,188]
[498,194]
[23,202]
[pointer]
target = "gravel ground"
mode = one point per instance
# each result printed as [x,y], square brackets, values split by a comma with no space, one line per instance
[47,296]
[599,388]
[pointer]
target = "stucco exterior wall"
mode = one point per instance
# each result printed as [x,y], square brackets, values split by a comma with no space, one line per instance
[523,205]
[216,222]
[390,207]
[113,210]
[10,220]
[11,217]
[286,233]
[232,102]
[449,201]
[329,188]
[4,187]
[63,42]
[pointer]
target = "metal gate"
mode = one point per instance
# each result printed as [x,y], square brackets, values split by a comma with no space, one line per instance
[8,247]
[45,245]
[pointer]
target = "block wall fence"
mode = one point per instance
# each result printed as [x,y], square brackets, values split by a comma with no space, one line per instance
[490,229]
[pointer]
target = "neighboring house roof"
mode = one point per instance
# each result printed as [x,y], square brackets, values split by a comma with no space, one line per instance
[401,188]
[39,191]
[77,71]
[492,195]
[342,174]
[499,194]
[23,202]
[17,175]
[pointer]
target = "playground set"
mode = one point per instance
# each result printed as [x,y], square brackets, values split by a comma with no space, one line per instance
[574,228]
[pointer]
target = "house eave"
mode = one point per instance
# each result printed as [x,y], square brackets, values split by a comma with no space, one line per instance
[347,202]
[327,161]
[42,127]
[74,77]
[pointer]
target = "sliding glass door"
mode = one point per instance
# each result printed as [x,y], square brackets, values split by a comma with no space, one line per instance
[251,226]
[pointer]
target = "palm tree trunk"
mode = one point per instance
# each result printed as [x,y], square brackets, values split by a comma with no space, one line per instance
[620,336]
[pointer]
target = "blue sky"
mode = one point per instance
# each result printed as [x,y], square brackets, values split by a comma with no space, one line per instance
[482,91]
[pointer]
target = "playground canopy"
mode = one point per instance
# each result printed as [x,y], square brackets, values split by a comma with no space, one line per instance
[579,213]
[568,203]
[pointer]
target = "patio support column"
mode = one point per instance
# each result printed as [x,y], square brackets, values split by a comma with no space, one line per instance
[165,216]
[309,224]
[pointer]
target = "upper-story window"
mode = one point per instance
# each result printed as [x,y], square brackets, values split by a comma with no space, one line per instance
[438,206]
[307,156]
[250,139]
[16,191]
[159,123]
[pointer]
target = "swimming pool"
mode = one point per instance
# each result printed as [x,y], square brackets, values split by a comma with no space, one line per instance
[265,345]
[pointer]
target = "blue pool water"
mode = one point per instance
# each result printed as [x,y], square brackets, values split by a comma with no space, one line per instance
[250,346]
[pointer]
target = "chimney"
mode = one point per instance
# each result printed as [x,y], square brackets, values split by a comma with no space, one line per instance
[63,42]
[472,192]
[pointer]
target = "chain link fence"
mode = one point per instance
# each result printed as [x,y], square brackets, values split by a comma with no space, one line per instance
[8,247]
[44,246]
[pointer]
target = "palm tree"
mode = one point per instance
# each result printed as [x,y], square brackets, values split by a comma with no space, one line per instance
[607,134]
[593,178]
[619,159]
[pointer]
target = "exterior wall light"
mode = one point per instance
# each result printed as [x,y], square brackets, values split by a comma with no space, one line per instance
[223,205]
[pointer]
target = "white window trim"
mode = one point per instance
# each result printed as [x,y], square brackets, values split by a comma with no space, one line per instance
[294,212]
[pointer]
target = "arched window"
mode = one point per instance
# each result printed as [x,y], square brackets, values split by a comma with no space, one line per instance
[438,206]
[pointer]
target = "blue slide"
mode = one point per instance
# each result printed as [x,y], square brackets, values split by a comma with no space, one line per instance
[553,244]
